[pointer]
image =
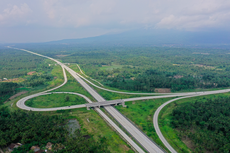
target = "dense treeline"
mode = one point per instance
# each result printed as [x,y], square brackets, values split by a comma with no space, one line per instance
[6,90]
[151,79]
[139,68]
[31,129]
[36,80]
[15,63]
[207,124]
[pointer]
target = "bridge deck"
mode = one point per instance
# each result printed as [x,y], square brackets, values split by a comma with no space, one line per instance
[105,103]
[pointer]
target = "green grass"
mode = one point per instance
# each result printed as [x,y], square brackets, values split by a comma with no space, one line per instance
[111,67]
[141,114]
[73,86]
[165,118]
[112,95]
[169,133]
[74,67]
[55,100]
[56,72]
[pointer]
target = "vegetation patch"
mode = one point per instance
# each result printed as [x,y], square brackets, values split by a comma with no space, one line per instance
[206,124]
[181,139]
[55,100]
[34,129]
[73,86]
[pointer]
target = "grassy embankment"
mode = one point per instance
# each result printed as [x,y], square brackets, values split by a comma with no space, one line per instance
[73,86]
[91,123]
[172,135]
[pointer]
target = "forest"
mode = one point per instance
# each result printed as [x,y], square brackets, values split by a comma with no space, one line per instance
[207,124]
[32,129]
[144,68]
[14,66]
[141,68]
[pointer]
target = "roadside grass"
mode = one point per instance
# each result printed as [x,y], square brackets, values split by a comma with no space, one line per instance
[112,95]
[74,67]
[91,123]
[122,128]
[165,118]
[55,100]
[73,86]
[141,114]
[201,89]
[58,77]
[111,67]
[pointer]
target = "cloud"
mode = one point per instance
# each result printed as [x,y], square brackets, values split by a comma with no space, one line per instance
[198,15]
[14,12]
[116,15]
[170,14]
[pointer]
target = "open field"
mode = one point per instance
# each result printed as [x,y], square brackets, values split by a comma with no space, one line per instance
[110,67]
[112,95]
[55,100]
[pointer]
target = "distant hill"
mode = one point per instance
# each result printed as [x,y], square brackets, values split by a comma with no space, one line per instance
[155,37]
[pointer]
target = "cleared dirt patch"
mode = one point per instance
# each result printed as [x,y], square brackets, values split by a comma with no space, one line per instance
[14,80]
[16,95]
[204,66]
[188,143]
[31,73]
[61,55]
[162,90]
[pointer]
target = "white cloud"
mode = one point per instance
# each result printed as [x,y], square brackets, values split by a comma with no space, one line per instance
[198,15]
[13,13]
[172,14]
[116,15]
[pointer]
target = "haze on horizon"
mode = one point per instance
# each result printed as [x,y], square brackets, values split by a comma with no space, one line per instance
[48,20]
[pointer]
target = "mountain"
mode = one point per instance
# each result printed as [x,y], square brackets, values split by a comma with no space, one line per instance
[155,37]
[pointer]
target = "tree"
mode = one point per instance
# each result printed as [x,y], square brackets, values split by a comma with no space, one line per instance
[67,98]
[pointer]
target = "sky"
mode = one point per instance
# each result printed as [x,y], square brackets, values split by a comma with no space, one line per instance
[47,20]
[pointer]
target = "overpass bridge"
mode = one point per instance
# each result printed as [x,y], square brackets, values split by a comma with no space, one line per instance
[105,103]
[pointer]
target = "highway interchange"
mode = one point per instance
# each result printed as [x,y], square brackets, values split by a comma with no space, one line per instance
[146,143]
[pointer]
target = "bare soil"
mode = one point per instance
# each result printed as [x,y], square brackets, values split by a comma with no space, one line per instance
[31,73]
[16,95]
[162,90]
[61,55]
